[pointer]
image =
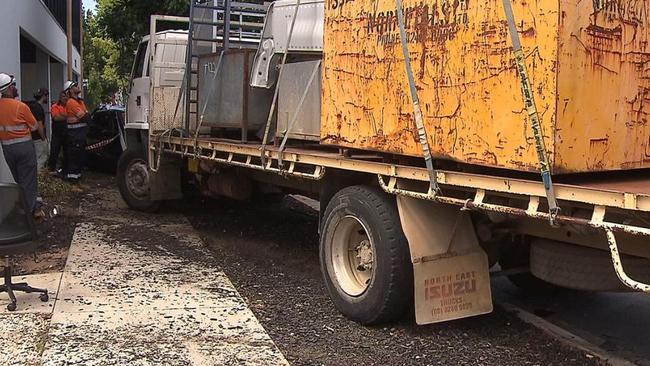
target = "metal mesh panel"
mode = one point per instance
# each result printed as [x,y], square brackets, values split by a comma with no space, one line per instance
[165,115]
[167,70]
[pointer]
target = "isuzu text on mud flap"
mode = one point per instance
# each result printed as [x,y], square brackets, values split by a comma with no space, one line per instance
[447,286]
[450,291]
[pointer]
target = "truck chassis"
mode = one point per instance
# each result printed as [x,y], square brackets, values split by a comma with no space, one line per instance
[389,240]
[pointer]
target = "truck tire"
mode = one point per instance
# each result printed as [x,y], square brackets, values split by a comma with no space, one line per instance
[516,255]
[364,256]
[581,268]
[133,181]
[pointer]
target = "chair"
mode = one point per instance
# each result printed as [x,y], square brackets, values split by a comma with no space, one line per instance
[17,236]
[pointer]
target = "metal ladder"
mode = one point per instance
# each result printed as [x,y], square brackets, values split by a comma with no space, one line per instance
[210,22]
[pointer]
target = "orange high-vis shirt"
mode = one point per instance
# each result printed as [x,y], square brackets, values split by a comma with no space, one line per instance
[59,113]
[16,121]
[75,109]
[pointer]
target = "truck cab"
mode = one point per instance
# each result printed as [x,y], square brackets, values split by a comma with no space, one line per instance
[163,67]
[157,76]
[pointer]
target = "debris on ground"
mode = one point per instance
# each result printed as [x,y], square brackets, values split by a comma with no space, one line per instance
[270,252]
[60,205]
[136,289]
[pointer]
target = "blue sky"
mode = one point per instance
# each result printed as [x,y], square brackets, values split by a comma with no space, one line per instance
[90,4]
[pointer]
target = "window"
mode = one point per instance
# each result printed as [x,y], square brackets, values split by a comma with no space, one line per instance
[140,60]
[103,126]
[154,52]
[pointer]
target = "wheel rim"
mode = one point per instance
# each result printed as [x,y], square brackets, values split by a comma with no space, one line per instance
[137,178]
[352,256]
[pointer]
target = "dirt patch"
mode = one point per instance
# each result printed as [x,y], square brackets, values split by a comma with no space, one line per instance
[270,252]
[55,231]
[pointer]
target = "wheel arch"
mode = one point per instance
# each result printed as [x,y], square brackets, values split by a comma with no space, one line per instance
[137,138]
[336,180]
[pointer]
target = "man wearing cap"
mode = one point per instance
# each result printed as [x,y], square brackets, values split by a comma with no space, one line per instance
[16,126]
[75,141]
[41,96]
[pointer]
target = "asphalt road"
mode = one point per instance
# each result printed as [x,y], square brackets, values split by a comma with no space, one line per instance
[618,323]
[270,252]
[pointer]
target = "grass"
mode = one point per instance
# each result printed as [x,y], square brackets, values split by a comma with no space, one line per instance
[50,186]
[42,339]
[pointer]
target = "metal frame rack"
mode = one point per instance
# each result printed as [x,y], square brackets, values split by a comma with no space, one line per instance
[217,16]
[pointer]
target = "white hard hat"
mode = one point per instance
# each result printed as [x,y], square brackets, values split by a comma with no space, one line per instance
[6,81]
[68,85]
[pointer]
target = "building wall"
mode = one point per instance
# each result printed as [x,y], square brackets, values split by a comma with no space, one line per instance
[34,75]
[57,79]
[34,20]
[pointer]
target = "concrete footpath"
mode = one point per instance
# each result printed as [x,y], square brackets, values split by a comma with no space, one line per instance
[136,290]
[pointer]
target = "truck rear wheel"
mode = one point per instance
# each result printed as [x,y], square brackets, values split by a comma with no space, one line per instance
[133,181]
[581,268]
[517,254]
[365,257]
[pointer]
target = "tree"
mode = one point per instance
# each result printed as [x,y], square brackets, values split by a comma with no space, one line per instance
[100,63]
[111,37]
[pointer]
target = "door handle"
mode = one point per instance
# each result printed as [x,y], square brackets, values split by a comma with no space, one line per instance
[138,100]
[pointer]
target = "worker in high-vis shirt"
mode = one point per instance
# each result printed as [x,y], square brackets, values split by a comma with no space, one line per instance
[16,125]
[77,116]
[59,129]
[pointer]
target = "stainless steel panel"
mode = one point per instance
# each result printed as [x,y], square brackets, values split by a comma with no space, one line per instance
[228,99]
[292,85]
[308,30]
[307,36]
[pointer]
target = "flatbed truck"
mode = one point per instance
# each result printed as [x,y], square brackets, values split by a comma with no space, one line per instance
[390,239]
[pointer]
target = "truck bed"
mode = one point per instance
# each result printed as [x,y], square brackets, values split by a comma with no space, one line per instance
[460,188]
[638,185]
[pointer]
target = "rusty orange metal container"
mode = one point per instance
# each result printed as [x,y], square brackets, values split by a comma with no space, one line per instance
[588,62]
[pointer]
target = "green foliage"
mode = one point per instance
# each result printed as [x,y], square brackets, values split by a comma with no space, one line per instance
[112,36]
[100,63]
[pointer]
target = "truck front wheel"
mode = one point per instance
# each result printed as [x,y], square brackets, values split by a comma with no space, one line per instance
[365,257]
[133,181]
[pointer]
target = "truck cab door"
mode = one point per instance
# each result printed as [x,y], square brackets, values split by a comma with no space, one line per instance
[138,103]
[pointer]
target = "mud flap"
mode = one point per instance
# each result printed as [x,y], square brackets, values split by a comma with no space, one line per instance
[450,269]
[165,184]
